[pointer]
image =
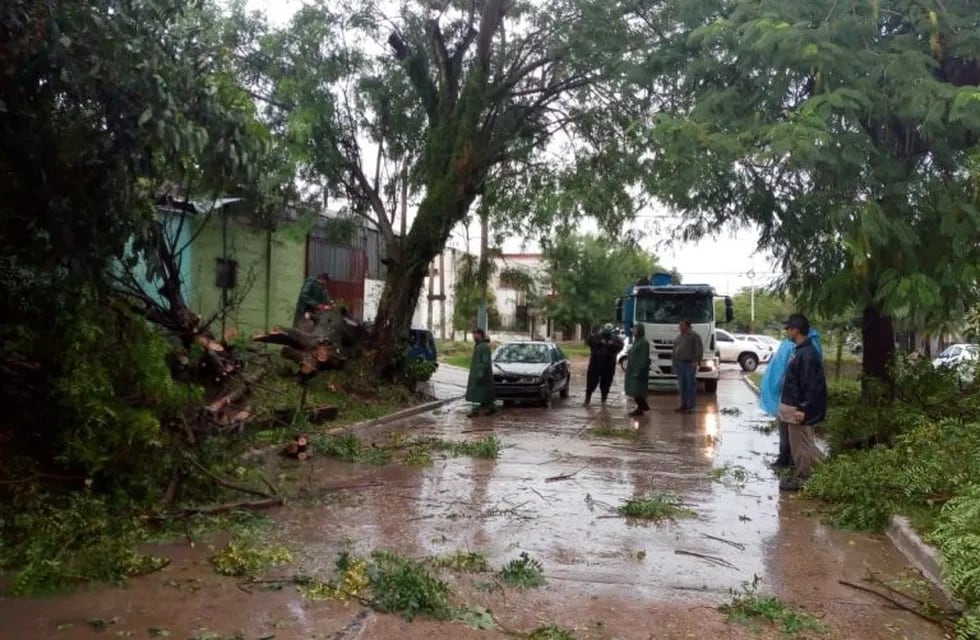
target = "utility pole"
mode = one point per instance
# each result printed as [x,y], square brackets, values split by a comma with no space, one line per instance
[442,293]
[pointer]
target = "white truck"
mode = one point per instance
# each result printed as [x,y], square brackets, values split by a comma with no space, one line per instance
[660,305]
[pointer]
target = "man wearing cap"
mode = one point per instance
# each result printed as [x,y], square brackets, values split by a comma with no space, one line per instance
[603,349]
[688,351]
[313,298]
[803,402]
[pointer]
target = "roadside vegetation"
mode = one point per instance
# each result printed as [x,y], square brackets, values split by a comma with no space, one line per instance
[910,449]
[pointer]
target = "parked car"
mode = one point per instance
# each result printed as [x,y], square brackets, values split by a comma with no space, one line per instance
[764,341]
[423,346]
[748,355]
[530,370]
[963,358]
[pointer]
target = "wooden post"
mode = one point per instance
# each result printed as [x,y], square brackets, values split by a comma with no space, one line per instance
[442,293]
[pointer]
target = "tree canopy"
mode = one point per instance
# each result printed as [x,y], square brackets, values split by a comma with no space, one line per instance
[847,131]
[771,310]
[587,273]
[515,102]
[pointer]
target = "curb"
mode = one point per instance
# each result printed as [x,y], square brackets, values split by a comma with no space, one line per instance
[920,555]
[751,385]
[394,417]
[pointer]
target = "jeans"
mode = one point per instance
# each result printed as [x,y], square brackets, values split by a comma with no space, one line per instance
[686,382]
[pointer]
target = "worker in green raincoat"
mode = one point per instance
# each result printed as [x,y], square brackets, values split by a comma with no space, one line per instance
[638,371]
[479,386]
[313,298]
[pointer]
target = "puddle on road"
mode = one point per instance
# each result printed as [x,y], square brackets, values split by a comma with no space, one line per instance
[553,493]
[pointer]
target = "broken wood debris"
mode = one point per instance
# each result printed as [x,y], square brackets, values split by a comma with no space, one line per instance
[565,476]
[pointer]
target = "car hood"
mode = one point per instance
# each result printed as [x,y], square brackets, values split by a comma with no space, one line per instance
[520,368]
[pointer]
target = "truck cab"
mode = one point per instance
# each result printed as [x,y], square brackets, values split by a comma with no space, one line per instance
[660,304]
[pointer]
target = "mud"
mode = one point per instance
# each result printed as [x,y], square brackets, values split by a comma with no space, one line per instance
[608,577]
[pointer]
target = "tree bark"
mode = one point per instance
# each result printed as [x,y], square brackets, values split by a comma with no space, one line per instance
[445,204]
[878,338]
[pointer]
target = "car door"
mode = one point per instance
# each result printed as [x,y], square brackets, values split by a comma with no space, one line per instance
[726,346]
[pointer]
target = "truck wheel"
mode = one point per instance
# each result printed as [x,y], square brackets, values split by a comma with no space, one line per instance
[711,386]
[749,362]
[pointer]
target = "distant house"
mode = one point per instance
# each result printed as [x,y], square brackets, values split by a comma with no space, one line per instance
[514,302]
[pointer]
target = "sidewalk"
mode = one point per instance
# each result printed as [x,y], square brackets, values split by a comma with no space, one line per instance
[447,383]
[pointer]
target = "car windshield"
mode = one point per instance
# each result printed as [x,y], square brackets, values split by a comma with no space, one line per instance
[527,353]
[672,308]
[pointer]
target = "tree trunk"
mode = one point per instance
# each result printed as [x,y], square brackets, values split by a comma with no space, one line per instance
[878,337]
[841,335]
[444,205]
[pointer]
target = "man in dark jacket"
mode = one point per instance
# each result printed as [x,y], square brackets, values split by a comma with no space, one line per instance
[603,349]
[313,298]
[803,402]
[479,385]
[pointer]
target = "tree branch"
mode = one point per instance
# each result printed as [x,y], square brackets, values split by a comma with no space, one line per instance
[448,82]
[493,15]
[418,74]
[374,199]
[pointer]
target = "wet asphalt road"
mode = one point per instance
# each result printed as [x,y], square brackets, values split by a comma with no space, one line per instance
[608,577]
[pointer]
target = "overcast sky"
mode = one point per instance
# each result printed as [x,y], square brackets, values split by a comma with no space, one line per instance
[724,261]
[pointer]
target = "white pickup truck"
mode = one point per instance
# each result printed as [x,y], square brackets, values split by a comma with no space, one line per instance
[747,353]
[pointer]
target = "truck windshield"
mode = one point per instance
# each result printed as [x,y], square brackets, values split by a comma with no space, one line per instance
[671,308]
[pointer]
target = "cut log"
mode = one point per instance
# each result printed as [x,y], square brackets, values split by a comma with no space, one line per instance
[240,391]
[295,338]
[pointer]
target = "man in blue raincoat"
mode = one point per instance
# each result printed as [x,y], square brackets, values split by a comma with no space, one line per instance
[771,388]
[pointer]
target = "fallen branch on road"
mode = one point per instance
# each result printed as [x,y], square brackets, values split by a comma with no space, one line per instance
[737,545]
[944,623]
[721,562]
[222,508]
[224,483]
[565,476]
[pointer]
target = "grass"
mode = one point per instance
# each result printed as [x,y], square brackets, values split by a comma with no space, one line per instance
[464,561]
[657,506]
[752,608]
[411,451]
[523,572]
[458,361]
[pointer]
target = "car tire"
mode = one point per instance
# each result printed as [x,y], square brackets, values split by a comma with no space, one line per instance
[563,392]
[546,396]
[749,362]
[711,386]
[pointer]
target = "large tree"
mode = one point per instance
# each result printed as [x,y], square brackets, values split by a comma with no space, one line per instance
[455,101]
[848,131]
[104,107]
[586,274]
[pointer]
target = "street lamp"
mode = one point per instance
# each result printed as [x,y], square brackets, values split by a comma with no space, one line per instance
[751,276]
